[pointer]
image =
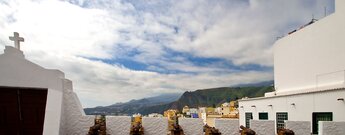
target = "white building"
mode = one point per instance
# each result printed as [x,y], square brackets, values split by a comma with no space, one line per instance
[35,100]
[155,115]
[309,76]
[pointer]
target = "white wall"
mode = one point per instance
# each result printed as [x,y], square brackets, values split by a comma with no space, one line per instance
[64,113]
[262,127]
[313,56]
[331,128]
[227,126]
[299,127]
[118,125]
[340,6]
[155,125]
[191,126]
[16,71]
[305,105]
[73,119]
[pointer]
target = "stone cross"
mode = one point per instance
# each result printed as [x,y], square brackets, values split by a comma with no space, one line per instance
[17,40]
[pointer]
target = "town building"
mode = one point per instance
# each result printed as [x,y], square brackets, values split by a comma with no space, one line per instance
[155,115]
[193,112]
[309,76]
[225,108]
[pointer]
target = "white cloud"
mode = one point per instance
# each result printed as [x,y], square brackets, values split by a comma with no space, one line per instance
[65,35]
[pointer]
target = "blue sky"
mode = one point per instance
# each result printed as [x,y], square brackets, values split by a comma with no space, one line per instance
[115,51]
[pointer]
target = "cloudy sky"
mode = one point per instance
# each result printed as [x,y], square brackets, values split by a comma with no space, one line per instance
[118,50]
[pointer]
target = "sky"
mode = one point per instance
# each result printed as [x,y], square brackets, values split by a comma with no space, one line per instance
[119,50]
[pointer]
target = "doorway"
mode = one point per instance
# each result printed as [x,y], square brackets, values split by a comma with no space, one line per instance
[320,116]
[22,110]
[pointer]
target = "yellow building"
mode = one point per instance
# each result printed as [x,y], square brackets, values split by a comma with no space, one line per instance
[233,110]
[225,109]
[233,106]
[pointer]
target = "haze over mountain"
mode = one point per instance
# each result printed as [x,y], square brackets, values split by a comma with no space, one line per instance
[198,98]
[133,106]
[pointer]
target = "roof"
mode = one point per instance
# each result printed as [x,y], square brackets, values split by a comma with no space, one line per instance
[299,93]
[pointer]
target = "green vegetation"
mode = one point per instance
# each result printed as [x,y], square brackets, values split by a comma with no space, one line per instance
[209,97]
[198,98]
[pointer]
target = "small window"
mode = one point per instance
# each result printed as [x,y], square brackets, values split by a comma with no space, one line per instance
[249,116]
[263,116]
[281,116]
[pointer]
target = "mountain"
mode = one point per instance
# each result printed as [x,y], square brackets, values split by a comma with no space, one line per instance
[133,106]
[198,98]
[209,97]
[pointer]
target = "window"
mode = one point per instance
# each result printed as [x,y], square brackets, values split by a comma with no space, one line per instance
[263,116]
[249,116]
[281,116]
[320,116]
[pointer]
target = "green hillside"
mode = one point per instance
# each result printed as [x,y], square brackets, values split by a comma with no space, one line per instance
[209,97]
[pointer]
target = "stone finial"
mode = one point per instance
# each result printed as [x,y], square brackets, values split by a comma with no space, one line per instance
[16,40]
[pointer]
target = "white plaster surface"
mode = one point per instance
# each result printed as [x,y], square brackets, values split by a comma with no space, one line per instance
[64,114]
[118,125]
[155,125]
[227,126]
[313,56]
[305,105]
[74,121]
[306,64]
[16,71]
[331,128]
[299,127]
[263,127]
[191,126]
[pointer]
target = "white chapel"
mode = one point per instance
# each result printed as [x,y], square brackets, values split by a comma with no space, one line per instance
[35,100]
[309,76]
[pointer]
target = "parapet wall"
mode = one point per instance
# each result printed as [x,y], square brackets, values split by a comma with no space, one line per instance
[120,125]
[263,127]
[299,127]
[331,128]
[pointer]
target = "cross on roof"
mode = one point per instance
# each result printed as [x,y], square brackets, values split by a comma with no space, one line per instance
[17,40]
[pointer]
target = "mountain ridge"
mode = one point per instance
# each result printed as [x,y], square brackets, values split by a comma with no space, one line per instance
[132,106]
[197,98]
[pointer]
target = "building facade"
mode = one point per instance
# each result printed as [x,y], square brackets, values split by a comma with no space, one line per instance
[36,100]
[309,76]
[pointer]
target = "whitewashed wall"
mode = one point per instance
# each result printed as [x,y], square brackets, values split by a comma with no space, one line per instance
[16,71]
[299,127]
[191,126]
[155,125]
[64,113]
[331,128]
[118,125]
[74,121]
[305,105]
[227,126]
[263,127]
[313,56]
